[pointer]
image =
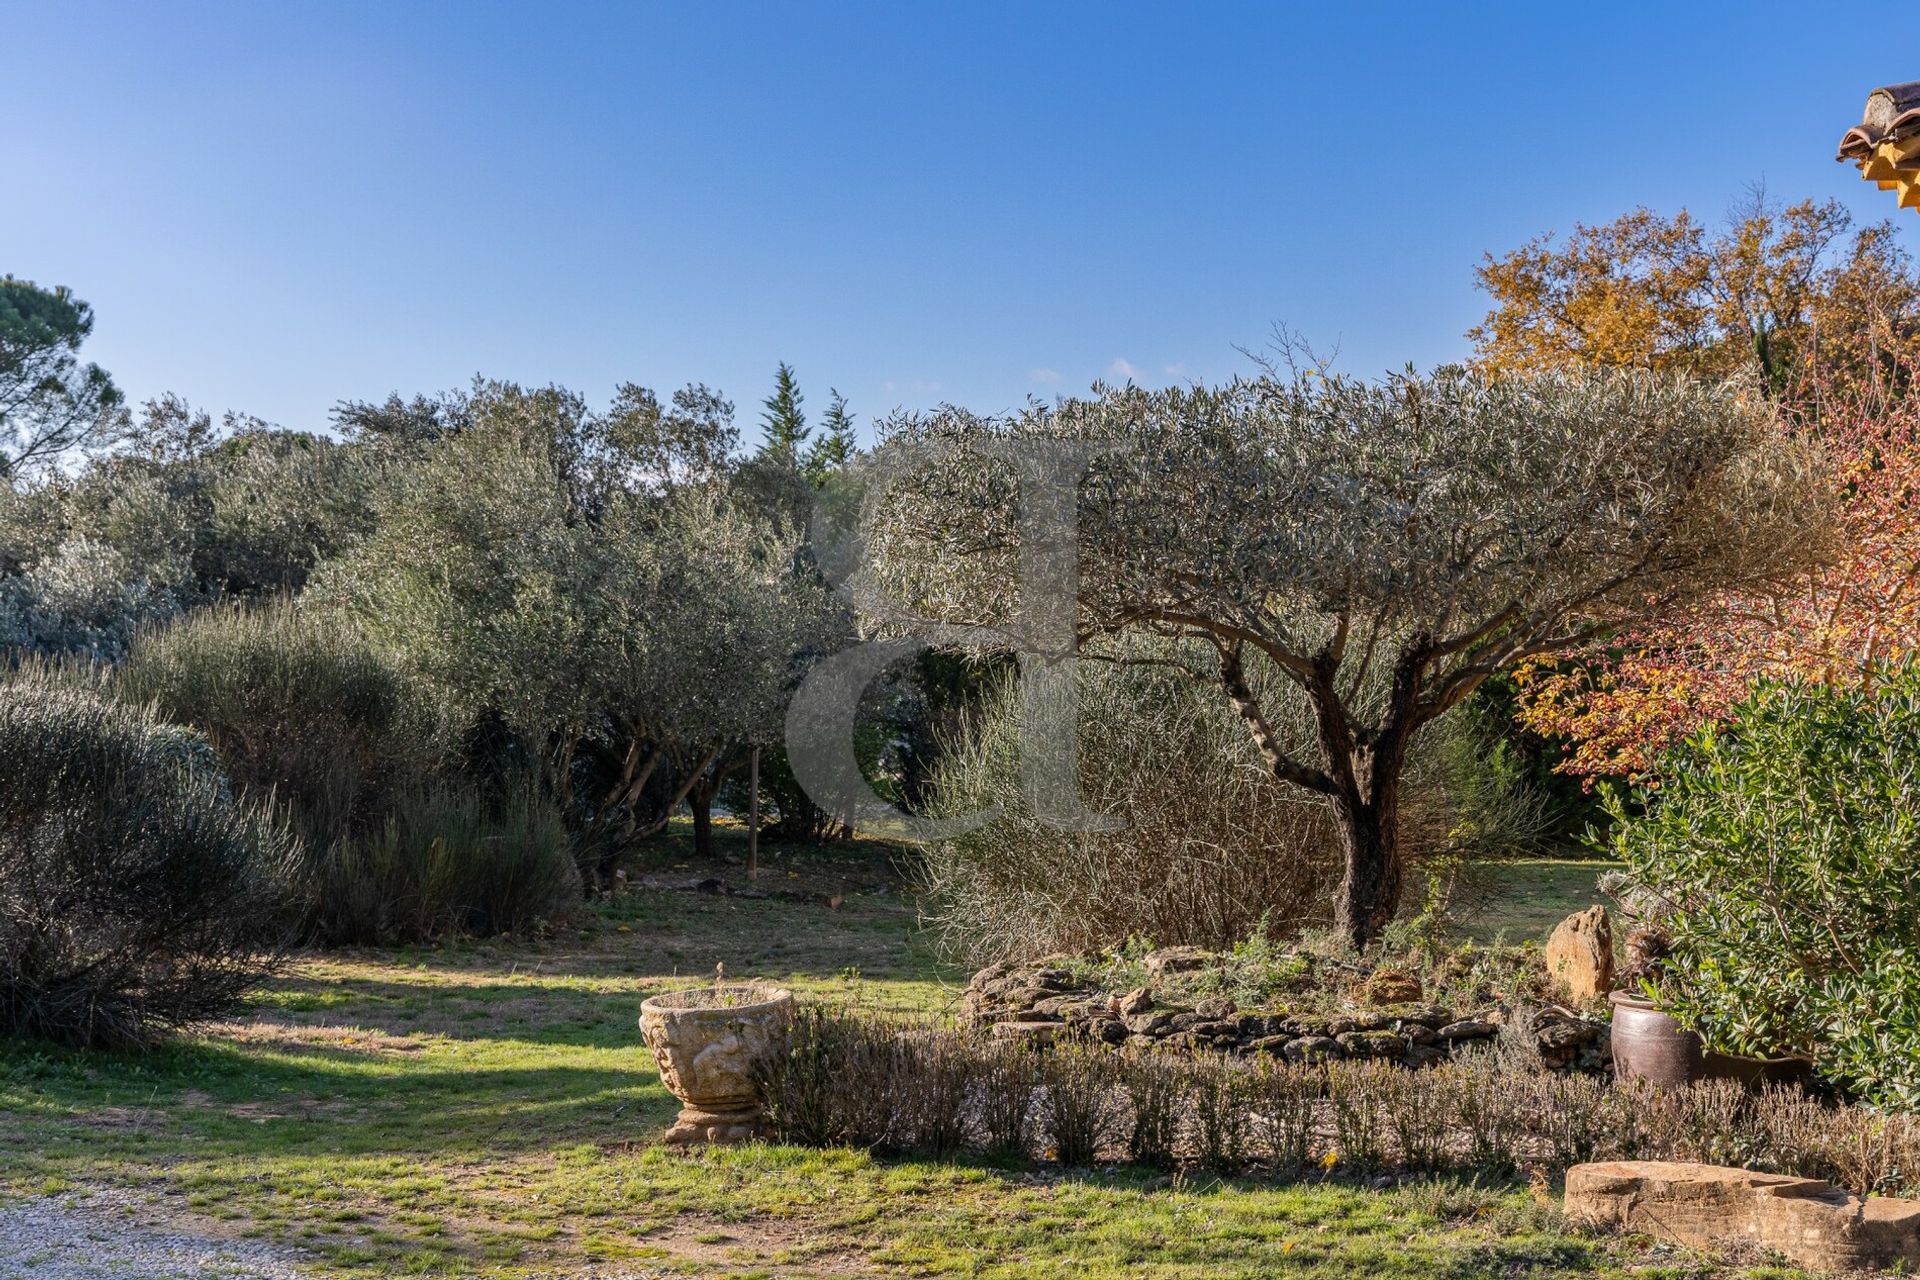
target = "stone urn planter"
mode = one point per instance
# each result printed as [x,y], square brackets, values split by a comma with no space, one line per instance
[708,1042]
[1650,1044]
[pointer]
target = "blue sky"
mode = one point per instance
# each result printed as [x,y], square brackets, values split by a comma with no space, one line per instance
[276,206]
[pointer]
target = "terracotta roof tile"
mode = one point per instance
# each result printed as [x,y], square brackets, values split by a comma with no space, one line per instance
[1892,115]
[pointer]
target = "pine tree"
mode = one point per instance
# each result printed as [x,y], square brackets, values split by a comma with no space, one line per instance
[784,424]
[835,446]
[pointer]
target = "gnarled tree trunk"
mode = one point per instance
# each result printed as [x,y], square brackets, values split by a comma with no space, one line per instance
[1370,887]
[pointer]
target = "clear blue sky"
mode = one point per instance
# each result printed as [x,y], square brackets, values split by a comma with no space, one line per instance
[274,206]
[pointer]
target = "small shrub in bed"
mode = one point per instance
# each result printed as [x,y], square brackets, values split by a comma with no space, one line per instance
[1009,1078]
[1287,1096]
[1153,1081]
[936,1081]
[136,894]
[1083,1085]
[1221,1096]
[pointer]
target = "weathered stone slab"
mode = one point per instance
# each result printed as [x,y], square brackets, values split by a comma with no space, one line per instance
[1703,1206]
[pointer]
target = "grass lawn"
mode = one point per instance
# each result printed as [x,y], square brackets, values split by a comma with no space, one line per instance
[1525,899]
[488,1111]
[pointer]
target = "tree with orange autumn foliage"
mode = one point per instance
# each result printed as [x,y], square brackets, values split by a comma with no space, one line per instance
[1620,706]
[1782,290]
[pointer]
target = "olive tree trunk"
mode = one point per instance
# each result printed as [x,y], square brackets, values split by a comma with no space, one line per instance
[1370,885]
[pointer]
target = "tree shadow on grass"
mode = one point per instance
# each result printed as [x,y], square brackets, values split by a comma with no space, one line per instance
[219,1100]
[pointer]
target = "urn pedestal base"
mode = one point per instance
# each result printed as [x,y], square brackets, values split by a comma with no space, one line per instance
[695,1127]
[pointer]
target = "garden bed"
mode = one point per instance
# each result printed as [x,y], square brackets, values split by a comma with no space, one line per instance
[1182,1003]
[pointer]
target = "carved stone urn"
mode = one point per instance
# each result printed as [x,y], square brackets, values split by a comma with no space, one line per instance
[708,1042]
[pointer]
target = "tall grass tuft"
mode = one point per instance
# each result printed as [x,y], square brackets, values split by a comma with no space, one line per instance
[447,861]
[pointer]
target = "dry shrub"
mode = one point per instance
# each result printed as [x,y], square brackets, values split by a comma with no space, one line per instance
[1208,843]
[1421,1105]
[1007,1083]
[935,1078]
[1362,1095]
[1287,1096]
[1221,1097]
[802,1086]
[1153,1083]
[1571,1116]
[854,1080]
[1084,1086]
[1209,849]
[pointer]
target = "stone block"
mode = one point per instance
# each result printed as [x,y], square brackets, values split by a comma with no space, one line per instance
[1703,1206]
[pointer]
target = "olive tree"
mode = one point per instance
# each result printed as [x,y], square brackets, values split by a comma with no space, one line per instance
[1384,545]
[604,585]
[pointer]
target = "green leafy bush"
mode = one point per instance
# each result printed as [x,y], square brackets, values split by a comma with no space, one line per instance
[136,894]
[303,707]
[1789,849]
[298,704]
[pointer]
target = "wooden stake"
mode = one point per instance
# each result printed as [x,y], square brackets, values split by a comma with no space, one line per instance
[753,817]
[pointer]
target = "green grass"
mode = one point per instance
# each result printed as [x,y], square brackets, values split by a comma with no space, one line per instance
[1525,899]
[488,1111]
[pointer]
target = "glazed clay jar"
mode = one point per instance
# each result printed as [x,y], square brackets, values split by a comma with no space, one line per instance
[1651,1045]
[708,1042]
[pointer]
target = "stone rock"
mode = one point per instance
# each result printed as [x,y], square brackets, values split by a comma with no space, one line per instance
[1108,1030]
[1135,1002]
[1036,1033]
[1346,1023]
[1313,1049]
[1154,1022]
[1424,1055]
[1419,1034]
[1427,1015]
[1469,1029]
[1269,1044]
[1579,955]
[1702,1206]
[1214,1008]
[1391,986]
[1372,1044]
[1169,960]
[1561,1036]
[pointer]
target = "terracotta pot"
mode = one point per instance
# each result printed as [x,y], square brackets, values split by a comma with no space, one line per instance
[1651,1045]
[708,1042]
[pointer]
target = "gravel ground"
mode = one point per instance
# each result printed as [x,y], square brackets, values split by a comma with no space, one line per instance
[112,1236]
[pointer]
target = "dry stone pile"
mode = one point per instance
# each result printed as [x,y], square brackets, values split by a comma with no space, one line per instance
[1046,1000]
